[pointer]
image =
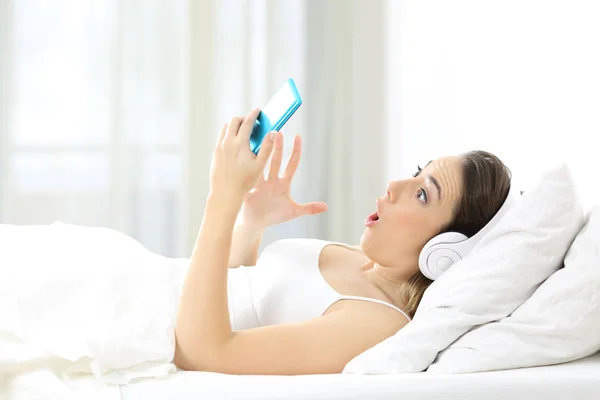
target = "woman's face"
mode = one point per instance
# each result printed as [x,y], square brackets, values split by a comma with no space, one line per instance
[411,213]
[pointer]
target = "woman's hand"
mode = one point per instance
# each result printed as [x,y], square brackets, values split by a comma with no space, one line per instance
[235,169]
[270,202]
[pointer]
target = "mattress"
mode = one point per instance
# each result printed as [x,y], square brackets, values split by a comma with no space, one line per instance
[578,379]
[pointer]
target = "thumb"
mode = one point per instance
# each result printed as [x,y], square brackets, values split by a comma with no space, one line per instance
[266,148]
[313,208]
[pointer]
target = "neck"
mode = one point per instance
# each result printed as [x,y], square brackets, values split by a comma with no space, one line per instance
[388,280]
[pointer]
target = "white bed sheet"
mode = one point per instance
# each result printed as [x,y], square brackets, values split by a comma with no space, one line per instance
[578,379]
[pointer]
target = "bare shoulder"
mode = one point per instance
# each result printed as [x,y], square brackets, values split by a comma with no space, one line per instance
[378,320]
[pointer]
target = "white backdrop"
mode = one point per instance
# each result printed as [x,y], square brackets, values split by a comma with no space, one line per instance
[520,78]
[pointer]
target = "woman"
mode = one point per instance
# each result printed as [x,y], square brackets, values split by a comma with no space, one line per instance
[310,306]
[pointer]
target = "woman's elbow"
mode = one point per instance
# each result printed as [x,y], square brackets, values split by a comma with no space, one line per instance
[192,353]
[185,359]
[182,361]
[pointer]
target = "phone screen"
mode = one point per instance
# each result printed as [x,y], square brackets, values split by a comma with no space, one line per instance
[279,105]
[275,114]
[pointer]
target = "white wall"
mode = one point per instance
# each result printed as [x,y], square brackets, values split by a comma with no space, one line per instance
[518,78]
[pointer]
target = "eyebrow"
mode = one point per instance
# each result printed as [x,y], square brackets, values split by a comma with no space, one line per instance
[437,186]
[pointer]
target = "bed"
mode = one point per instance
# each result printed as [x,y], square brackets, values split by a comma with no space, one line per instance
[579,379]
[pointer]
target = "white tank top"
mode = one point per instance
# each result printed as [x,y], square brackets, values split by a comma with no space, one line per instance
[285,286]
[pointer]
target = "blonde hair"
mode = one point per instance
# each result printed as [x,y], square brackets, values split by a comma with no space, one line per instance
[412,292]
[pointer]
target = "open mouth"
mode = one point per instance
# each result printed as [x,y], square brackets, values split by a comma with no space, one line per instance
[372,219]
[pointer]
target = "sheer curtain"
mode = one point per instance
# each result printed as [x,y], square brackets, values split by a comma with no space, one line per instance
[109,110]
[94,120]
[335,51]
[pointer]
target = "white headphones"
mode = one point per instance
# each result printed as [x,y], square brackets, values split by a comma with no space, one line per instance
[448,248]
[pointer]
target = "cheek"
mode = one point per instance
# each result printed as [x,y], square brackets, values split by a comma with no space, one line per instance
[407,219]
[415,226]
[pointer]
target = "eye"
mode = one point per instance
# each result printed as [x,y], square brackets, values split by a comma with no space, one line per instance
[418,171]
[422,196]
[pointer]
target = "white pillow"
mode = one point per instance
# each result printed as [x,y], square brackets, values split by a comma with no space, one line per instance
[526,246]
[560,322]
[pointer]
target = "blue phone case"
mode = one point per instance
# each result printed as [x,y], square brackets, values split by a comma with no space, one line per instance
[275,114]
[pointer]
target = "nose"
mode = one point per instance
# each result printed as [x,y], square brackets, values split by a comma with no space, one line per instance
[393,189]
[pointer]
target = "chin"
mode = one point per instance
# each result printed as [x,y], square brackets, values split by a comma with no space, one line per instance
[365,240]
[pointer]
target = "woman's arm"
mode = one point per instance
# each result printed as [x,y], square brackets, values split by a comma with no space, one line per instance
[244,246]
[203,326]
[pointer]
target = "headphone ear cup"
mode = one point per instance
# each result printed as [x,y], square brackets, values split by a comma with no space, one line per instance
[438,254]
[439,261]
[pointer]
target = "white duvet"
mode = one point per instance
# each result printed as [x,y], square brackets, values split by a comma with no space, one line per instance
[82,309]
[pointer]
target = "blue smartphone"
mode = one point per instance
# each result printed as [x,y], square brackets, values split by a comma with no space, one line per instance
[275,114]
